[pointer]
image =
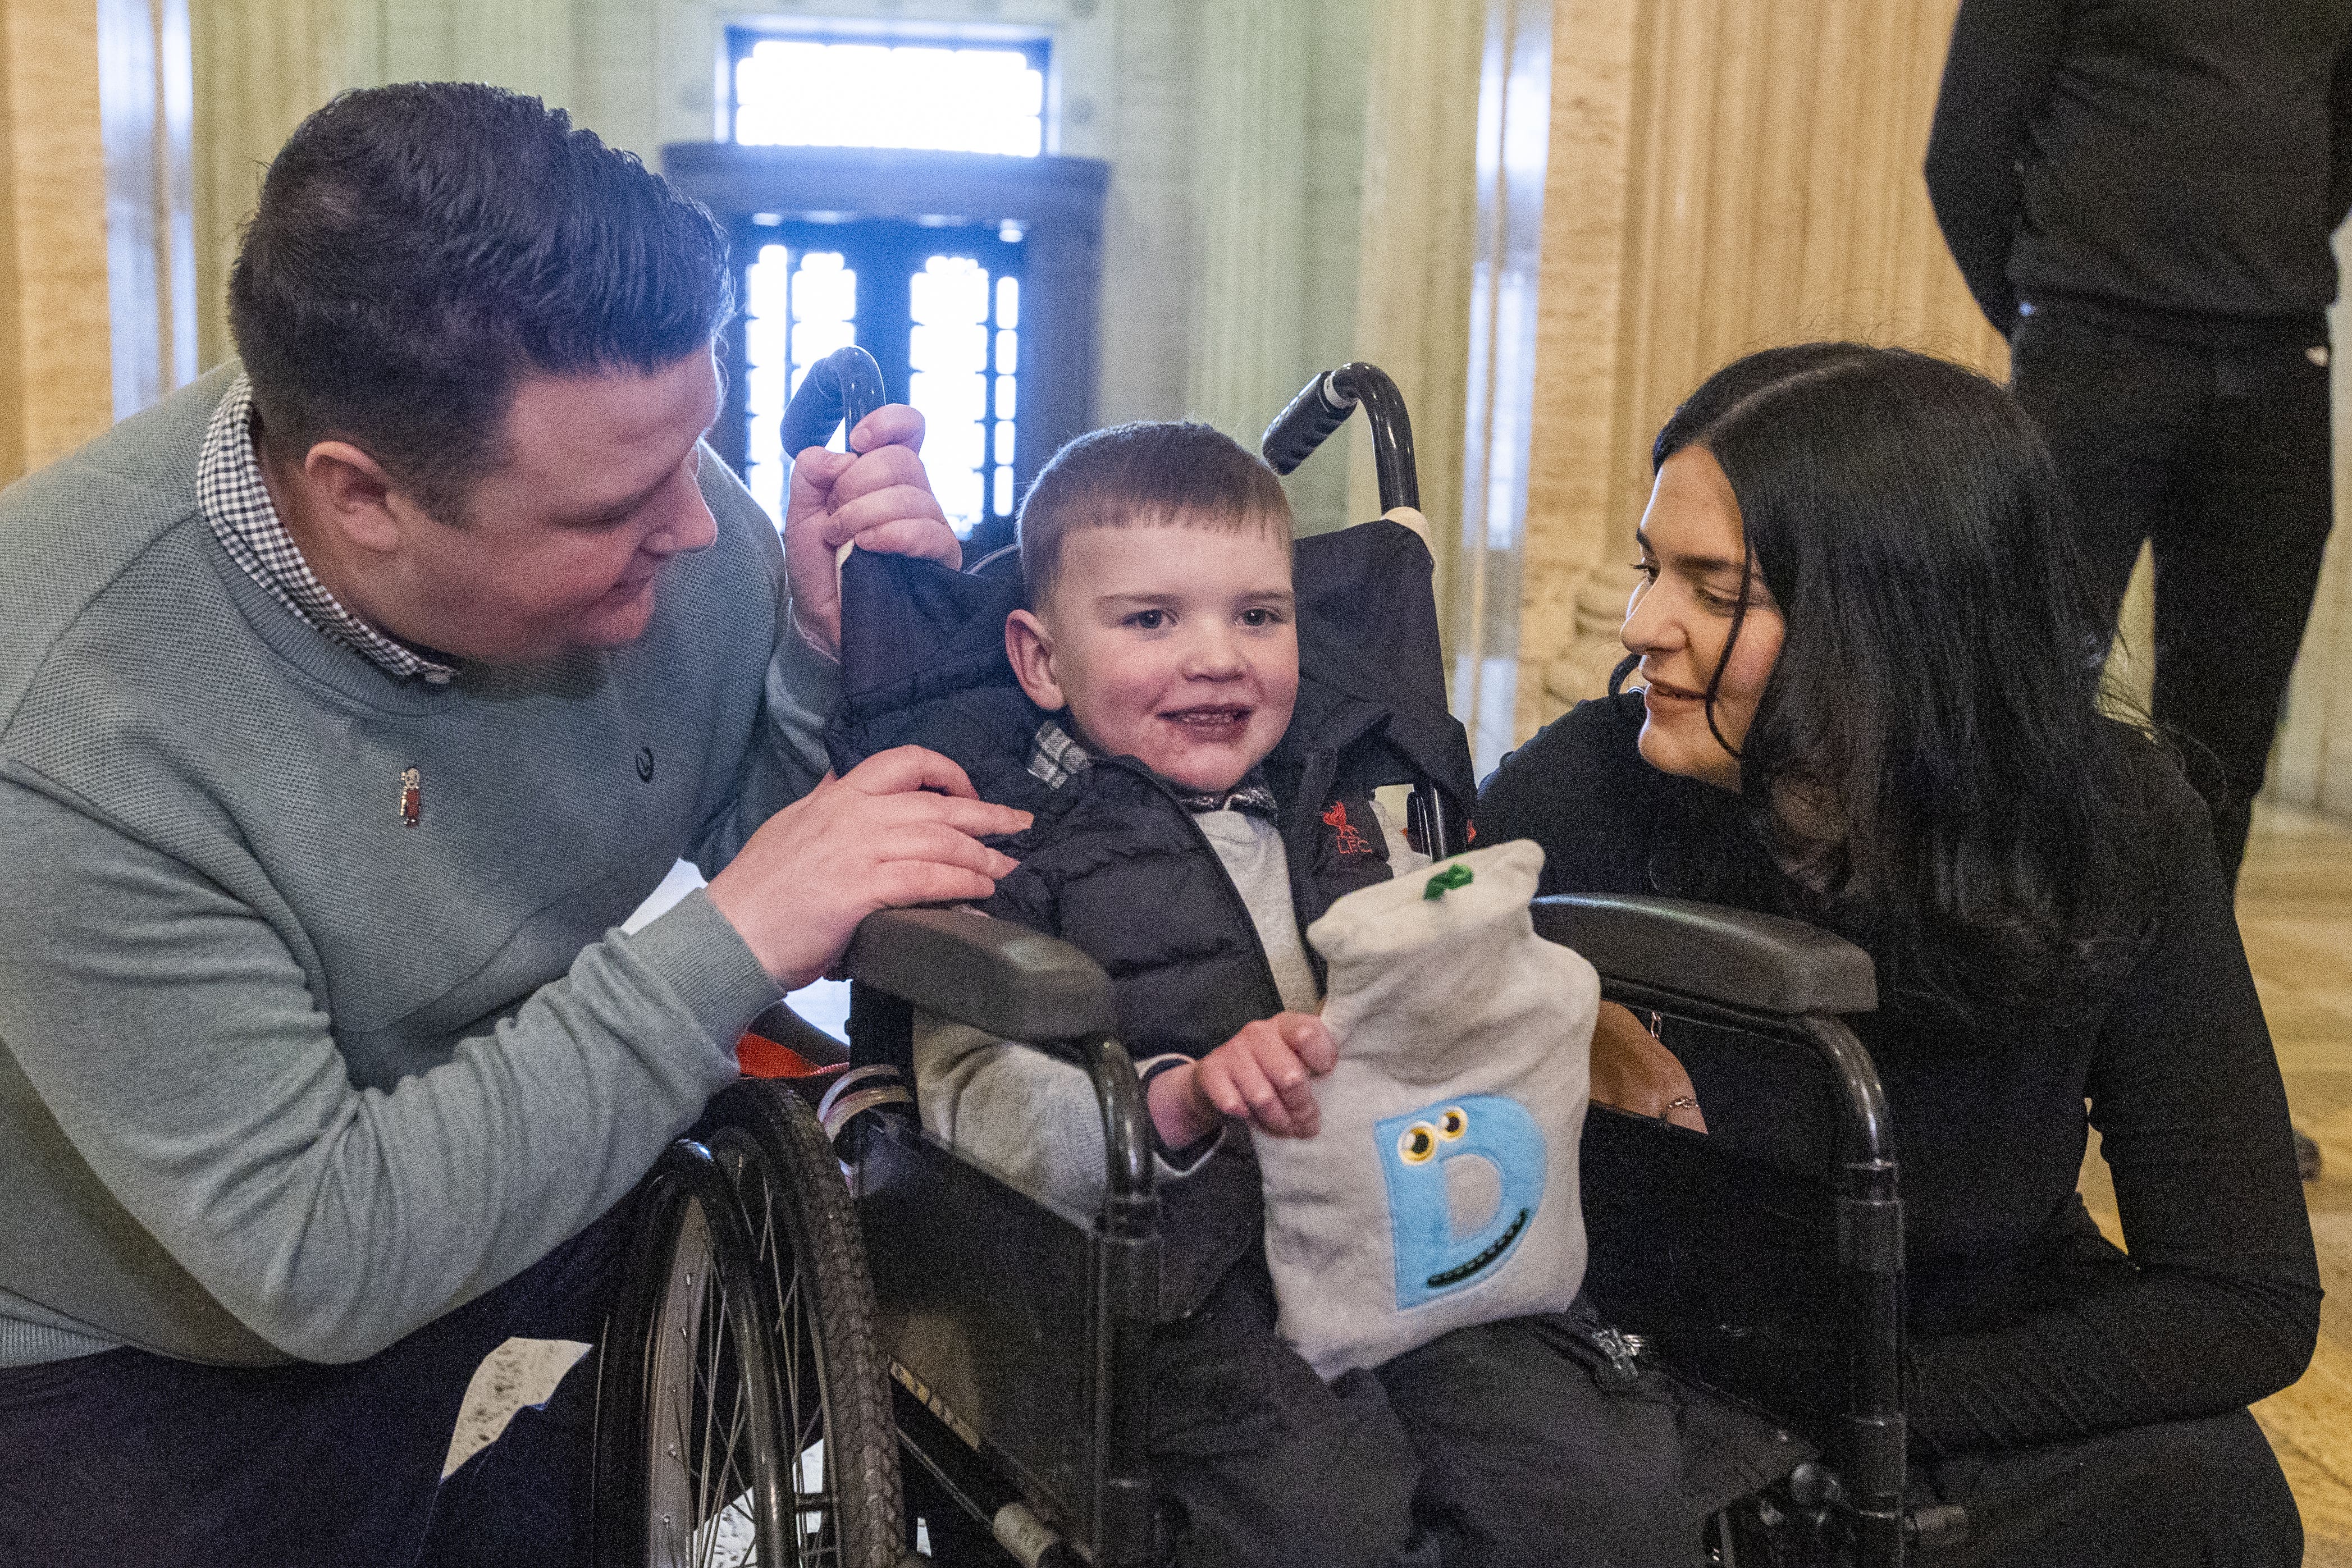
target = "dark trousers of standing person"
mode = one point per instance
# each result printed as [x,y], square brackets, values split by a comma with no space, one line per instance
[124,1457]
[2218,453]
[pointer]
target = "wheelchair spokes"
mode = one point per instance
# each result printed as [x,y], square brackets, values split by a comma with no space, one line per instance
[743,1415]
[701,1480]
[813,1523]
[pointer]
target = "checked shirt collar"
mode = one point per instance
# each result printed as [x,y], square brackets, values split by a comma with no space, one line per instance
[1055,756]
[236,504]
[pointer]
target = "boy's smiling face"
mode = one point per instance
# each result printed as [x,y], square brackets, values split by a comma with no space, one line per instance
[1175,645]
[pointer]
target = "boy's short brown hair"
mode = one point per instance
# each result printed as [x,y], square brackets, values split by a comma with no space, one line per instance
[1148,472]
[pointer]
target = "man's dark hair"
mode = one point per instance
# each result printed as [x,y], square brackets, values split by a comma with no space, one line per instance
[1147,473]
[422,247]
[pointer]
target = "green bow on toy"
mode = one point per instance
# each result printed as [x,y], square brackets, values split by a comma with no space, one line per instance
[1444,882]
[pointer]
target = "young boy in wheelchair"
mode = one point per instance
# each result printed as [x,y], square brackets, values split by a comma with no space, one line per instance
[1182,777]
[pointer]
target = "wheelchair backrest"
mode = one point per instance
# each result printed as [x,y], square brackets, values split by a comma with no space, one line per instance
[914,630]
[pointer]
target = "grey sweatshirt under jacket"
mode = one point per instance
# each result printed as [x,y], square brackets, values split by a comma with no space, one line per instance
[280,1074]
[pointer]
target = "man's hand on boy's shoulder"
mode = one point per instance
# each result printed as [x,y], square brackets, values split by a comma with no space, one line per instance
[877,493]
[1264,1076]
[903,827]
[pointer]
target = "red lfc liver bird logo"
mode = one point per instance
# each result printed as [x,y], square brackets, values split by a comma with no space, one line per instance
[1343,831]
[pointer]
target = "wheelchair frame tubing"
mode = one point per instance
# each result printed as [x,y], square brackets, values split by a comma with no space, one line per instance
[1872,1467]
[1870,1249]
[1127,1298]
[1323,405]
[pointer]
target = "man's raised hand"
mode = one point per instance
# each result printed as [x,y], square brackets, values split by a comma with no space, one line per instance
[877,493]
[902,827]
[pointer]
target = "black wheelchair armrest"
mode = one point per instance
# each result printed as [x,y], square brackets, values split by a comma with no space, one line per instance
[1758,962]
[1018,984]
[994,975]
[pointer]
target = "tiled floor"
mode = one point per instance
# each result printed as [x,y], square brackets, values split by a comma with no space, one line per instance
[2294,907]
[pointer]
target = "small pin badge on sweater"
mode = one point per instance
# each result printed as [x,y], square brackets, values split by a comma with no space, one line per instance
[412,797]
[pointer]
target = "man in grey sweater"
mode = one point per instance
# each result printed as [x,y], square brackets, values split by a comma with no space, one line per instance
[347,701]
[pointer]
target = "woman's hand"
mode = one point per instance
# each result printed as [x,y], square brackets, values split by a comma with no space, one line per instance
[1260,1076]
[1633,1073]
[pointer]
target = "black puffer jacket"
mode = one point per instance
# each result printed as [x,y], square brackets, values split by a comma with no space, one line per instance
[1114,862]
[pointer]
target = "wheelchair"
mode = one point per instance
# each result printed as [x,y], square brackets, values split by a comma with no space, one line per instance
[842,1343]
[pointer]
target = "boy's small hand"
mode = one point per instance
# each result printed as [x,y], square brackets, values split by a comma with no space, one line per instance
[1262,1076]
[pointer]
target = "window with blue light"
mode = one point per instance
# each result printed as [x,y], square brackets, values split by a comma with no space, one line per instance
[938,307]
[798,308]
[937,302]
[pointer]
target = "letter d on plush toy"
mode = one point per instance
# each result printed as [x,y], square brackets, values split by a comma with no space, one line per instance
[1439,1246]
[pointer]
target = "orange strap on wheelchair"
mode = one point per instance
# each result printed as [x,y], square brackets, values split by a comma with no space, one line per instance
[756,1055]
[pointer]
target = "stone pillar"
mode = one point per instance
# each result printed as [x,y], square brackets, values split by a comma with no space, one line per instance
[1140,105]
[260,67]
[56,383]
[1581,299]
[525,45]
[1724,176]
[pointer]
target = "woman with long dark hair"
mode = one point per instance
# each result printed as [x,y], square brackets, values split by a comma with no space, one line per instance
[1869,701]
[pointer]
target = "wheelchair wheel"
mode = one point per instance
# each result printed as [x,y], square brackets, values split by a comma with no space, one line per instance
[834,1384]
[691,1466]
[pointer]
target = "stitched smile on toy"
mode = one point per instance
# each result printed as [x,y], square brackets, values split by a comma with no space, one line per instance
[1455,1275]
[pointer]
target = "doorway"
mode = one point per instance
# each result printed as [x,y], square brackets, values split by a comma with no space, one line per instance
[936,305]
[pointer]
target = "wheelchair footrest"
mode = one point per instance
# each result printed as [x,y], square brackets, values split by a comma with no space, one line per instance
[856,1091]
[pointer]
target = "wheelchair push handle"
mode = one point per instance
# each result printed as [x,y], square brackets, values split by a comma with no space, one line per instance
[1324,404]
[839,389]
[1322,407]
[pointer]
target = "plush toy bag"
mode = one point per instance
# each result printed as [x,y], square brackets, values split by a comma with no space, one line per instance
[1442,1187]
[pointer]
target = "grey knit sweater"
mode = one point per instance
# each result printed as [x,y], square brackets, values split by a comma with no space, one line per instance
[281,1075]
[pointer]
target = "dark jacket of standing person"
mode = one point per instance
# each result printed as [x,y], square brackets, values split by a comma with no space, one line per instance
[2180,159]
